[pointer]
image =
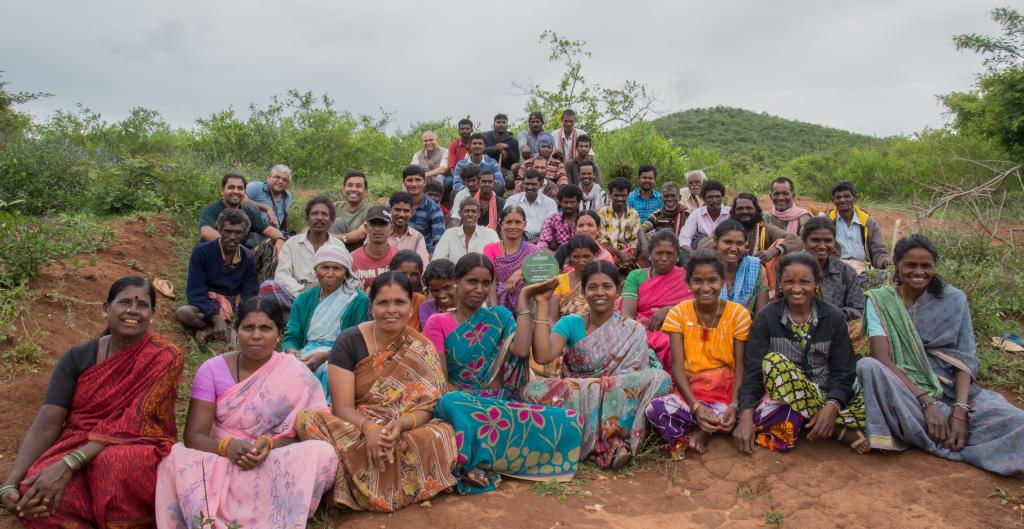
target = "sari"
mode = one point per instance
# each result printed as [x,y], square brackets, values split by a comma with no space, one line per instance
[655,293]
[609,380]
[127,403]
[403,378]
[284,490]
[493,431]
[505,266]
[750,280]
[570,301]
[710,368]
[935,341]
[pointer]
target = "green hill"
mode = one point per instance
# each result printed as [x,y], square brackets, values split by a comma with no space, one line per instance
[761,139]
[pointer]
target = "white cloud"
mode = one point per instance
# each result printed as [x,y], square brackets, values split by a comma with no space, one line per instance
[871,67]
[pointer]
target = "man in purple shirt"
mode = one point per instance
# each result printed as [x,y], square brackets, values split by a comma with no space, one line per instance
[703,220]
[561,226]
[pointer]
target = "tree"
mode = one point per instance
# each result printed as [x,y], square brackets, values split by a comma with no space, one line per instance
[11,121]
[596,107]
[995,108]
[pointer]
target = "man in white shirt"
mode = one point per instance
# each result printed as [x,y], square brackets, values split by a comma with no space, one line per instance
[565,137]
[538,207]
[294,272]
[593,196]
[469,237]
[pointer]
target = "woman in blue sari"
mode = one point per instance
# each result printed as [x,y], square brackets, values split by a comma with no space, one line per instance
[320,313]
[745,279]
[486,365]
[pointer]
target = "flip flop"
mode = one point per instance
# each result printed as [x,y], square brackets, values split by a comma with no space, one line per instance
[164,287]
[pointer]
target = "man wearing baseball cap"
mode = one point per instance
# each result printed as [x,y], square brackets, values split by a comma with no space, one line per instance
[373,259]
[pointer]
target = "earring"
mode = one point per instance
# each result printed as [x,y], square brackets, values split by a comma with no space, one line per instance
[104,314]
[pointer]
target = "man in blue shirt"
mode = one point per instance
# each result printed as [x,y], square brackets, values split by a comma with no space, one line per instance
[221,274]
[478,159]
[645,200]
[272,197]
[427,217]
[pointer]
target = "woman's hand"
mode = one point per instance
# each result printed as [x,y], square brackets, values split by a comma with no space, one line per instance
[378,454]
[295,353]
[257,454]
[390,433]
[513,280]
[958,433]
[823,423]
[656,320]
[707,420]
[235,450]
[9,501]
[728,421]
[315,360]
[743,434]
[45,490]
[938,430]
[541,291]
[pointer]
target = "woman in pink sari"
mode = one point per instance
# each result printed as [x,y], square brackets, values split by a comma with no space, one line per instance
[241,461]
[649,293]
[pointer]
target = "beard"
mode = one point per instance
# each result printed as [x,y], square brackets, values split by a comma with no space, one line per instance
[752,223]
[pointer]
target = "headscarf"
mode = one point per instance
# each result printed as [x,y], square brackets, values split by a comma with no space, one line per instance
[330,253]
[546,140]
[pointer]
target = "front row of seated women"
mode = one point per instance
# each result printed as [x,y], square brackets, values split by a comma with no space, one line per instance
[417,414]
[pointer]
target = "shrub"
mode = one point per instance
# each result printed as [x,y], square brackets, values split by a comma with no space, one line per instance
[27,243]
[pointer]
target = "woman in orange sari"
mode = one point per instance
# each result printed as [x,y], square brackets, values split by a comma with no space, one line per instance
[384,378]
[90,457]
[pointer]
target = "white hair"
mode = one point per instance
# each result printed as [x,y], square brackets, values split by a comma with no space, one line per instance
[432,133]
[696,172]
[281,168]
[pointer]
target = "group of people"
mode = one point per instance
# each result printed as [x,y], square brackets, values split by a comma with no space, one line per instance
[390,352]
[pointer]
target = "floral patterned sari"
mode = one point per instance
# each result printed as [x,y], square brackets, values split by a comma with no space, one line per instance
[492,432]
[609,380]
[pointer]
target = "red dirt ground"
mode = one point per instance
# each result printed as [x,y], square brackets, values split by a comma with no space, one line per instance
[816,486]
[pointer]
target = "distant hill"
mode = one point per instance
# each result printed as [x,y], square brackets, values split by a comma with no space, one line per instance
[758,138]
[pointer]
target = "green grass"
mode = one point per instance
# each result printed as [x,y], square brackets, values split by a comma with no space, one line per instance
[774,519]
[1001,369]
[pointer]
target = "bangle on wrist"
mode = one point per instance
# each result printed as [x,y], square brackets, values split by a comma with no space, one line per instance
[7,488]
[413,417]
[222,447]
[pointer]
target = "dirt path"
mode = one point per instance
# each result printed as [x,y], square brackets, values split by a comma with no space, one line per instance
[817,485]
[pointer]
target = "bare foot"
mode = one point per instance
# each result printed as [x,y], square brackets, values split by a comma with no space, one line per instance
[855,440]
[698,441]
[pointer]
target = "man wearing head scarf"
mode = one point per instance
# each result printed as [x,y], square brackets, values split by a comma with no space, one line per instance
[553,170]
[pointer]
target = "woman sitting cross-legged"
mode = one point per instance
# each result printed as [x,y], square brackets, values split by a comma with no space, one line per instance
[241,461]
[919,382]
[608,375]
[385,378]
[320,313]
[799,366]
[90,457]
[745,281]
[485,360]
[649,293]
[707,335]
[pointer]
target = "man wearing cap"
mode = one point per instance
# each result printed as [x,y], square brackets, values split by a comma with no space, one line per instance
[528,138]
[374,257]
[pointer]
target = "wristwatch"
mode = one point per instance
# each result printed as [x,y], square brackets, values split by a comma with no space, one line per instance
[344,238]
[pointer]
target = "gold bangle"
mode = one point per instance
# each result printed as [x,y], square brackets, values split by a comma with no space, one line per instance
[270,441]
[222,448]
[413,417]
[372,427]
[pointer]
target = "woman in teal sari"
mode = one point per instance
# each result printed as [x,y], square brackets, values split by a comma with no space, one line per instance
[320,313]
[485,362]
[609,373]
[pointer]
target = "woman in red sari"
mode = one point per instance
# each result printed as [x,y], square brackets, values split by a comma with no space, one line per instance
[649,293]
[90,457]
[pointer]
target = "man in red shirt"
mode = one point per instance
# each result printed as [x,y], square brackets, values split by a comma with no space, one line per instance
[458,149]
[373,259]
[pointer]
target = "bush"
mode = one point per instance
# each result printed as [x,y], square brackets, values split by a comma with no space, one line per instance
[43,175]
[27,243]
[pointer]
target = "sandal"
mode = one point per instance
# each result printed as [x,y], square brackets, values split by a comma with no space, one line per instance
[164,287]
[860,445]
[621,457]
[476,478]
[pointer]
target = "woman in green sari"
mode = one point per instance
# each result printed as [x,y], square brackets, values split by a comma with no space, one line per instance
[320,313]
[485,362]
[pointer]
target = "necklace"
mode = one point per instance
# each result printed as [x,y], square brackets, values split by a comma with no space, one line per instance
[373,334]
[705,329]
[912,308]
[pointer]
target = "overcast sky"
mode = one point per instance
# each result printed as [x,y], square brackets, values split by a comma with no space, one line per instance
[868,66]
